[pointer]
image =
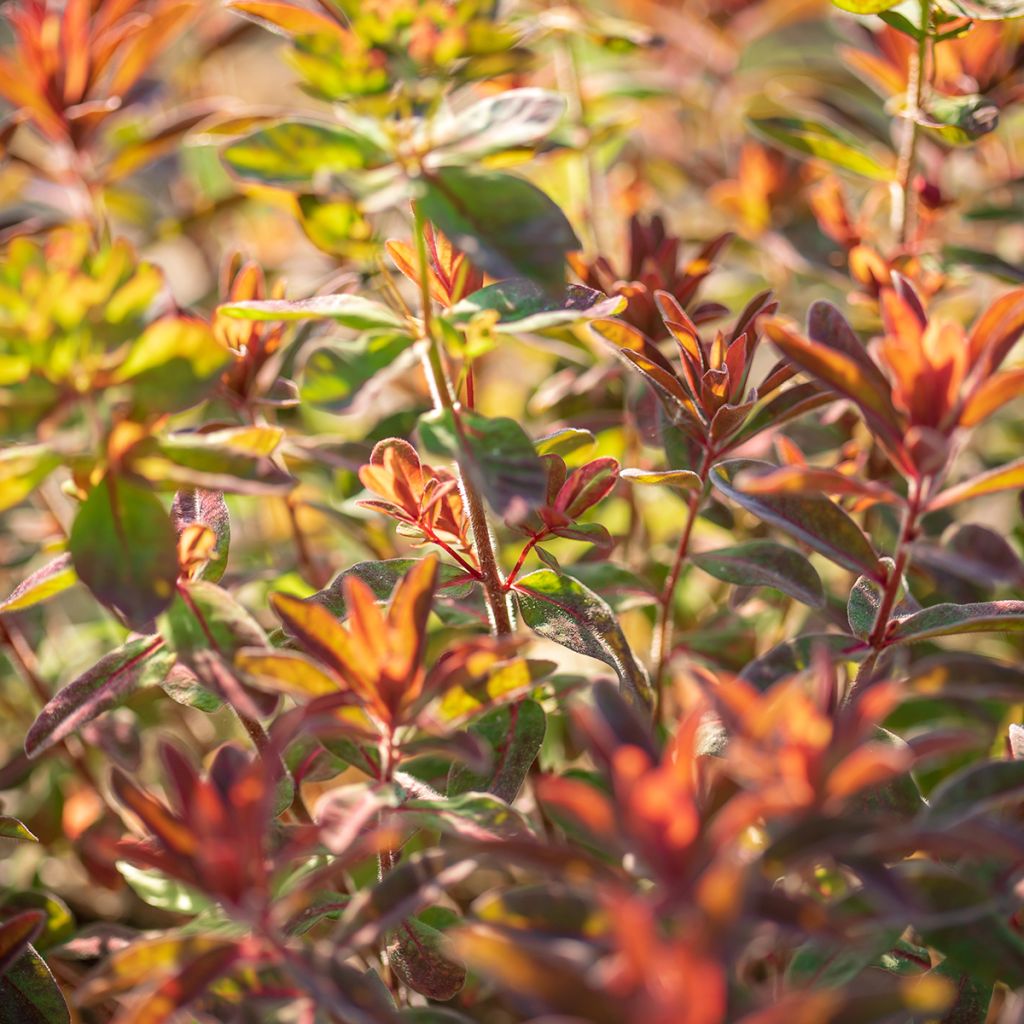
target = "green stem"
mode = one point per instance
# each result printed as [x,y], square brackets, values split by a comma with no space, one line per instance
[494,588]
[904,207]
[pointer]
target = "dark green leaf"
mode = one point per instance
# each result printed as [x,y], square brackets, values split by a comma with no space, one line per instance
[334,374]
[763,563]
[502,461]
[951,619]
[562,609]
[811,518]
[977,789]
[506,226]
[423,958]
[124,549]
[515,734]
[29,994]
[524,306]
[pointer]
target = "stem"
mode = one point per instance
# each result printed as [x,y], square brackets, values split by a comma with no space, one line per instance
[904,209]
[527,548]
[307,564]
[494,588]
[901,560]
[663,628]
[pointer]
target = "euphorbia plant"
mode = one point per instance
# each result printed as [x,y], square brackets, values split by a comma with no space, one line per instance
[426,600]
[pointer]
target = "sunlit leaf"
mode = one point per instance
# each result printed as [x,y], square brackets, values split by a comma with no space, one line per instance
[141,662]
[825,142]
[22,469]
[562,609]
[46,582]
[161,891]
[1004,478]
[677,479]
[347,309]
[951,619]
[865,6]
[29,993]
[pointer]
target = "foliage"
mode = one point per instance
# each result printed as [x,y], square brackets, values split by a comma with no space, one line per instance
[564,565]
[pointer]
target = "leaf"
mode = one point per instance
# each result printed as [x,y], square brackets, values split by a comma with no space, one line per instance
[957,917]
[198,507]
[862,607]
[976,789]
[189,983]
[952,619]
[16,933]
[141,662]
[523,306]
[812,519]
[677,479]
[984,10]
[424,959]
[827,143]
[172,365]
[22,469]
[1003,478]
[289,672]
[235,460]
[505,226]
[29,994]
[160,891]
[124,550]
[763,563]
[515,733]
[502,462]
[833,355]
[381,577]
[334,374]
[792,656]
[12,828]
[307,156]
[565,442]
[562,609]
[354,311]
[46,582]
[511,119]
[865,6]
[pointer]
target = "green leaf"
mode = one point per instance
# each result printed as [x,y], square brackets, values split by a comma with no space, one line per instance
[824,142]
[678,479]
[524,306]
[160,891]
[334,374]
[865,6]
[976,789]
[198,507]
[355,311]
[22,469]
[508,120]
[16,933]
[172,365]
[565,442]
[140,662]
[952,619]
[124,549]
[305,156]
[763,563]
[207,618]
[235,460]
[59,923]
[29,994]
[515,734]
[505,226]
[11,828]
[959,120]
[424,959]
[824,963]
[46,582]
[813,519]
[862,607]
[562,609]
[497,454]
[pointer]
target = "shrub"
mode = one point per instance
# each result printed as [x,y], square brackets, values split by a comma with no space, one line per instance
[588,591]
